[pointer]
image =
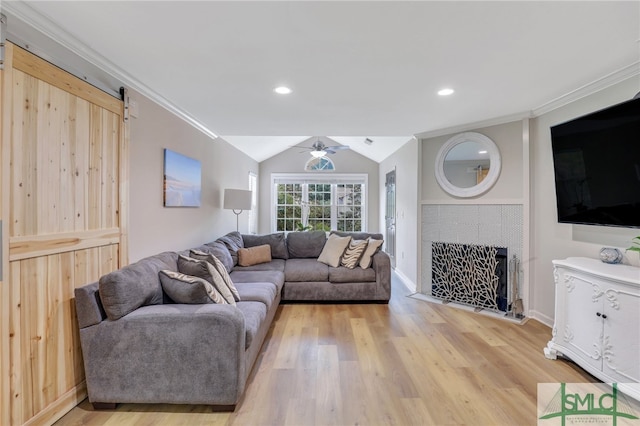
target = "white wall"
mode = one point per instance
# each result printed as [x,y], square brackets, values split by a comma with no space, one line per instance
[406,162]
[293,161]
[551,240]
[154,228]
[508,138]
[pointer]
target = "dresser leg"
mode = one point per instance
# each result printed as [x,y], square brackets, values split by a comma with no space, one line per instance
[550,353]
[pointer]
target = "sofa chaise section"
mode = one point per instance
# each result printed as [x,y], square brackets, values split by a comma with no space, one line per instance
[164,352]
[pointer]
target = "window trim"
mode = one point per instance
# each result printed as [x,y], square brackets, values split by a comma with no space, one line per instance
[253,213]
[333,179]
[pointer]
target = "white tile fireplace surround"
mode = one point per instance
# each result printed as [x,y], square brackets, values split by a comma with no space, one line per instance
[498,225]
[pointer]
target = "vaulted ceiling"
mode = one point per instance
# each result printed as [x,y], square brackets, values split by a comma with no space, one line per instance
[357,69]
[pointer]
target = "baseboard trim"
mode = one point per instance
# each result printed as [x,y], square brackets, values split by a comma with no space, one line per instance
[540,317]
[410,285]
[56,410]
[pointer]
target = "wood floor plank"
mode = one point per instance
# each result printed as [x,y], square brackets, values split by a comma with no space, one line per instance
[352,383]
[407,363]
[328,395]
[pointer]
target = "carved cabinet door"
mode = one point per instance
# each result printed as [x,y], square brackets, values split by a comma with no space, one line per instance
[583,327]
[621,342]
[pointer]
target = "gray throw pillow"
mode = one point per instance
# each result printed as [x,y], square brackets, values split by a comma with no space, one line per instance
[205,270]
[233,241]
[186,289]
[195,254]
[221,251]
[277,242]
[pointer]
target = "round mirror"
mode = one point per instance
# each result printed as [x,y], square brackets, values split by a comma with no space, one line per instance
[468,164]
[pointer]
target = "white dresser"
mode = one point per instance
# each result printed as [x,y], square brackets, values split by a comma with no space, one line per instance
[597,320]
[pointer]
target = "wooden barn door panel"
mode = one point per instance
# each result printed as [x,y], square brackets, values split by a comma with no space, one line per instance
[64,152]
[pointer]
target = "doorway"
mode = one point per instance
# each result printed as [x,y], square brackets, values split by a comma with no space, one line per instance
[390,216]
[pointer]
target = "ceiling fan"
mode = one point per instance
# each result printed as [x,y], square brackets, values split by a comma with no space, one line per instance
[319,149]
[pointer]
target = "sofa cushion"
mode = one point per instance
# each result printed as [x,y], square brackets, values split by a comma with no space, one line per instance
[305,270]
[205,270]
[254,315]
[222,270]
[277,242]
[353,253]
[254,255]
[358,235]
[333,249]
[246,276]
[183,288]
[354,275]
[264,292]
[306,244]
[233,242]
[132,286]
[373,246]
[274,265]
[220,251]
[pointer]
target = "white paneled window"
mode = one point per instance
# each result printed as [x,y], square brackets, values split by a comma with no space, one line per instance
[253,213]
[318,202]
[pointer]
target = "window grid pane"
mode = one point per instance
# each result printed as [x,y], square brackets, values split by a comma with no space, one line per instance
[349,201]
[319,206]
[288,206]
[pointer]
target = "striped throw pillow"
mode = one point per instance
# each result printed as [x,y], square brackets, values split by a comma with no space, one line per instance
[353,253]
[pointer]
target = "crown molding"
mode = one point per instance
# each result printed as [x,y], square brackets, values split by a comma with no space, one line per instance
[590,88]
[22,11]
[474,126]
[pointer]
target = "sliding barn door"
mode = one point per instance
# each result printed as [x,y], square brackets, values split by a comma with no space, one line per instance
[64,151]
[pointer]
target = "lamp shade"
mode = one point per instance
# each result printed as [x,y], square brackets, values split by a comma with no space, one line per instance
[237,199]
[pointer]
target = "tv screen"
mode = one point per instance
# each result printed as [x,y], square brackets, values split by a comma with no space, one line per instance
[596,159]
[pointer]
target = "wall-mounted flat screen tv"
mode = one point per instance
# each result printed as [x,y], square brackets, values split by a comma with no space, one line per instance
[596,159]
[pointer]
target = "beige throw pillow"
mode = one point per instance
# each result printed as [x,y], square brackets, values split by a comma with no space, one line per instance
[333,249]
[222,270]
[353,253]
[372,248]
[254,255]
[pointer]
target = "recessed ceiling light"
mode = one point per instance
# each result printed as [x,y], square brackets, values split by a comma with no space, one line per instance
[282,90]
[445,92]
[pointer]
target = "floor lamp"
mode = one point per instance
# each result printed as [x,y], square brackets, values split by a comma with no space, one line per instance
[237,200]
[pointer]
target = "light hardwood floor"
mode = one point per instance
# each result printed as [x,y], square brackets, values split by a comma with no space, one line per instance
[407,363]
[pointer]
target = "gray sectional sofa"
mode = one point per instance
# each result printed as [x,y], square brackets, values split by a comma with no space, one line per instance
[139,346]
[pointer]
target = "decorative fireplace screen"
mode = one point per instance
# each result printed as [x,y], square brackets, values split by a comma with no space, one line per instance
[474,275]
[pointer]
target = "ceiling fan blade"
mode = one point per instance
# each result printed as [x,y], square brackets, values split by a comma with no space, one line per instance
[329,151]
[302,146]
[337,147]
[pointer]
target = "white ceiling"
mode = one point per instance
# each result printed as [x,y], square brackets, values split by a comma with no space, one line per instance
[357,69]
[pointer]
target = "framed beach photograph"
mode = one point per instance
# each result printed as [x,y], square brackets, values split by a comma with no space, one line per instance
[182,180]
